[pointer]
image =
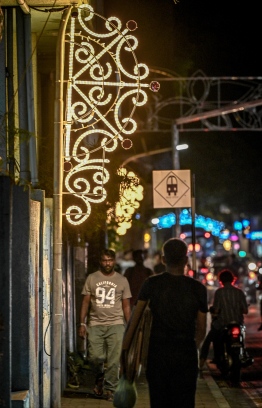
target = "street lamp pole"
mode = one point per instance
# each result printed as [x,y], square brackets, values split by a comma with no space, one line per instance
[193,215]
[57,213]
[176,166]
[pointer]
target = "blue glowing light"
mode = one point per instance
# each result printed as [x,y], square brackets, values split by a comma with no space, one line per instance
[242,254]
[224,234]
[245,223]
[167,221]
[254,235]
[238,226]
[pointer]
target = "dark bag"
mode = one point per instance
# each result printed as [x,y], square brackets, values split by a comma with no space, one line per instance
[125,394]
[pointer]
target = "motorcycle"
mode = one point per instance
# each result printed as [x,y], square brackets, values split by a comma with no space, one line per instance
[230,353]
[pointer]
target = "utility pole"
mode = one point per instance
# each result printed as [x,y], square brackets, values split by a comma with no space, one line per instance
[56,327]
[176,166]
[193,215]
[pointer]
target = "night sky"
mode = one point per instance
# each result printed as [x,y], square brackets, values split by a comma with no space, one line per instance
[221,39]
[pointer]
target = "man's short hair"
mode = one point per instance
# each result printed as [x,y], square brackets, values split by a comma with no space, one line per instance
[175,251]
[108,252]
[226,276]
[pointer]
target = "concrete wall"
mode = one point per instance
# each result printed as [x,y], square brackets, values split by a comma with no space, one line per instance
[25,308]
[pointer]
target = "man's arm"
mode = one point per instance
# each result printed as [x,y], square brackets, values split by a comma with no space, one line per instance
[126,309]
[83,313]
[133,323]
[201,325]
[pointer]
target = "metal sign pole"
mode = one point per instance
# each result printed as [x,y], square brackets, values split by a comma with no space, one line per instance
[57,208]
[193,225]
[176,166]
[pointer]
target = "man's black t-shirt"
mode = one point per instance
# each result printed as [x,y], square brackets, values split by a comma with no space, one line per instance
[174,303]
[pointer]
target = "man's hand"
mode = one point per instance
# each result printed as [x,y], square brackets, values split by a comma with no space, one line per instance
[82,331]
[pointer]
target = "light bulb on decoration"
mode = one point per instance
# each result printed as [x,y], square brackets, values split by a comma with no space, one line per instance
[67,166]
[154,86]
[131,25]
[127,144]
[102,78]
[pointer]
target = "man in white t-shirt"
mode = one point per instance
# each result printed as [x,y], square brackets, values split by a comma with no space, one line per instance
[105,310]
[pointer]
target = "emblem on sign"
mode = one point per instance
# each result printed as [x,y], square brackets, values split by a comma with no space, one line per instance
[172,189]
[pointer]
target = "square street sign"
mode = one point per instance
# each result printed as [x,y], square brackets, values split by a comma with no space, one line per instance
[172,189]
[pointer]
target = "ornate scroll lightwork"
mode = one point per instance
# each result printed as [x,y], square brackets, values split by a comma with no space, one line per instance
[104,87]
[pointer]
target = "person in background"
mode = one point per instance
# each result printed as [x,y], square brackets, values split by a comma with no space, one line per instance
[230,305]
[126,260]
[259,287]
[179,307]
[230,302]
[148,260]
[210,337]
[106,301]
[158,264]
[137,274]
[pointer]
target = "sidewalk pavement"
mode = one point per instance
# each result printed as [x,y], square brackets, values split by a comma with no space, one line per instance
[208,395]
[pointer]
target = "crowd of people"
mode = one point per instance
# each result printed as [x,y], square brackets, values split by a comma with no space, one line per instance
[115,298]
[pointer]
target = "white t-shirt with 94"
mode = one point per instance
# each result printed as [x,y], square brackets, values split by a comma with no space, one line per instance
[106,293]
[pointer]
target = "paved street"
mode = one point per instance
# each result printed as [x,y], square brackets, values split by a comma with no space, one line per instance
[212,390]
[249,392]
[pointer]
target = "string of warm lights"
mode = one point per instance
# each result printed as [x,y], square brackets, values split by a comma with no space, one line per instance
[130,193]
[103,80]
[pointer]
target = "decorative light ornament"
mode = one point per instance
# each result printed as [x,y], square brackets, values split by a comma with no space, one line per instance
[130,193]
[213,226]
[102,79]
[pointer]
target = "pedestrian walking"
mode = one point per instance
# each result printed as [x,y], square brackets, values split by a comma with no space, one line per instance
[259,287]
[137,274]
[179,308]
[159,267]
[104,312]
[210,338]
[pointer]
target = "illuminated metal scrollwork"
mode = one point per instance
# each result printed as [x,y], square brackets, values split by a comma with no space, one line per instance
[103,88]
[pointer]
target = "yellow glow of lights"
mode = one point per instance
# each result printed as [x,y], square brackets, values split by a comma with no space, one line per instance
[252,275]
[197,247]
[128,201]
[147,237]
[227,245]
[103,79]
